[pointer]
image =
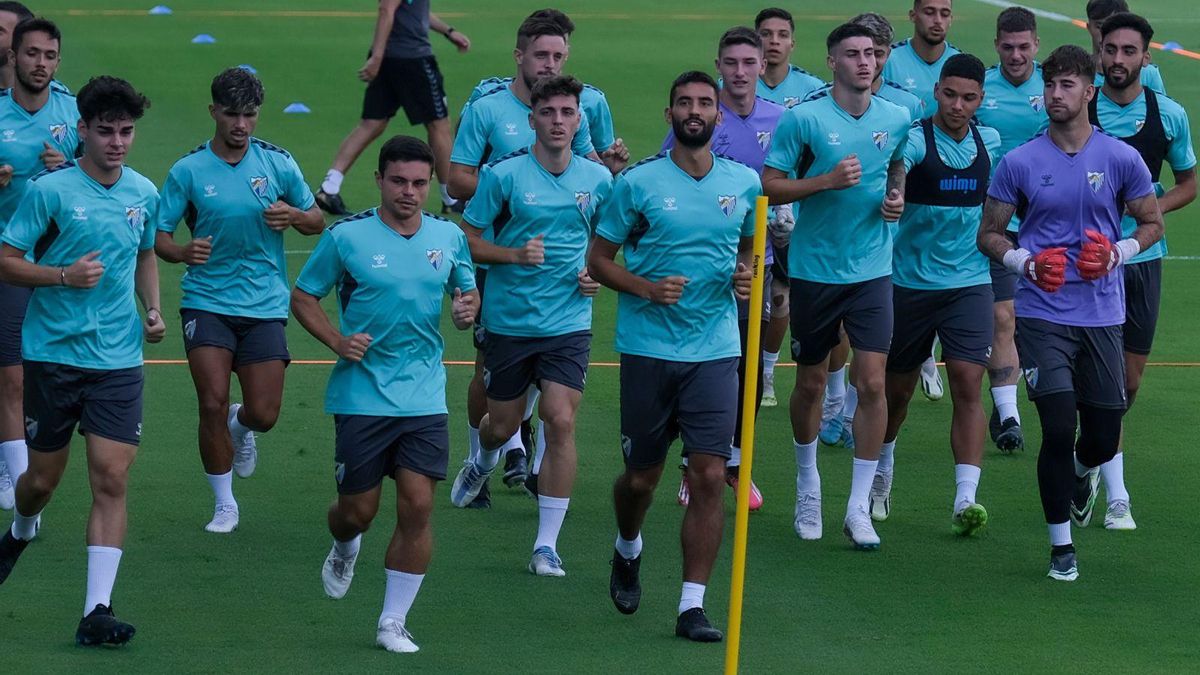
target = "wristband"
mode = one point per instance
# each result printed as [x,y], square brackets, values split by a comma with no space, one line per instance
[1016,260]
[449,30]
[62,276]
[1127,249]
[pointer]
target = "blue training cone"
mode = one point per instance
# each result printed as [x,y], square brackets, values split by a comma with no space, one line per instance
[203,39]
[248,68]
[160,10]
[1172,46]
[297,107]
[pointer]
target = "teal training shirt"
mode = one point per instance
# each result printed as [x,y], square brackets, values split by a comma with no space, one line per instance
[1127,121]
[1017,112]
[907,69]
[793,89]
[246,275]
[390,287]
[840,235]
[592,100]
[517,200]
[497,124]
[892,93]
[64,216]
[671,224]
[935,245]
[23,137]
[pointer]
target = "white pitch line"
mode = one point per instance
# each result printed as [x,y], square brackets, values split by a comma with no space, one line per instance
[1053,16]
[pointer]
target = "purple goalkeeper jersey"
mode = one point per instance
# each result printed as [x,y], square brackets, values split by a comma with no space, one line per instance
[1058,197]
[746,139]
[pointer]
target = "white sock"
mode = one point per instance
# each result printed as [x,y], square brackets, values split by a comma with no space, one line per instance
[887,457]
[101,575]
[851,404]
[1005,399]
[513,443]
[447,200]
[835,386]
[333,182]
[539,448]
[1081,470]
[735,456]
[348,548]
[236,428]
[692,596]
[860,484]
[16,455]
[769,361]
[473,442]
[966,482]
[531,400]
[222,487]
[808,479]
[1113,473]
[25,527]
[486,460]
[551,512]
[1060,533]
[399,595]
[629,549]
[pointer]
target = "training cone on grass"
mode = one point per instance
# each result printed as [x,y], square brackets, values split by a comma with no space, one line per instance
[160,10]
[297,108]
[203,39]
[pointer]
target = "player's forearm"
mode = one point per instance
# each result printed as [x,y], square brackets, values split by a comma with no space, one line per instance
[308,222]
[166,248]
[1149,219]
[489,253]
[307,310]
[145,281]
[1181,194]
[383,27]
[783,190]
[896,177]
[437,25]
[992,239]
[606,271]
[15,270]
[463,181]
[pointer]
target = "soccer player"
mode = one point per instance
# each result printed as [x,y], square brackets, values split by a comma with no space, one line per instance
[11,14]
[941,282]
[391,266]
[401,71]
[540,203]
[90,226]
[781,81]
[845,149]
[743,134]
[1071,185]
[237,195]
[917,63]
[1015,106]
[1157,127]
[1097,12]
[39,132]
[685,219]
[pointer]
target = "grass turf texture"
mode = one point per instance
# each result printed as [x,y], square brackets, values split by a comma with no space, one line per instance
[253,600]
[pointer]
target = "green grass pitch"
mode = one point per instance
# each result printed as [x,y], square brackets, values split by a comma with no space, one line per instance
[253,601]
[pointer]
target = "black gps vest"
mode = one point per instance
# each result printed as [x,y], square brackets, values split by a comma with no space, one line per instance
[934,184]
[1151,141]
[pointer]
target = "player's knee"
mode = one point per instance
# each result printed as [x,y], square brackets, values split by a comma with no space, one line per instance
[810,387]
[108,482]
[39,484]
[1004,321]
[214,407]
[414,510]
[706,475]
[261,416]
[373,128]
[560,423]
[11,384]
[965,387]
[638,482]
[871,387]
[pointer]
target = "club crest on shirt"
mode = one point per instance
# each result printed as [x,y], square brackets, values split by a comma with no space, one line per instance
[880,139]
[791,101]
[135,216]
[727,203]
[1037,102]
[1031,377]
[764,139]
[1096,180]
[339,472]
[434,256]
[583,200]
[58,132]
[259,185]
[1137,126]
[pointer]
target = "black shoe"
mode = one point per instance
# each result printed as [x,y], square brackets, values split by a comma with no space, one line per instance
[483,500]
[693,625]
[102,628]
[515,468]
[1010,438]
[10,550]
[1062,563]
[994,425]
[531,484]
[527,440]
[332,204]
[623,584]
[1083,499]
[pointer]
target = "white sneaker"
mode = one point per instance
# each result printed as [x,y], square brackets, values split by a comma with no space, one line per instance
[1119,516]
[768,397]
[467,484]
[808,516]
[245,450]
[931,380]
[224,520]
[392,636]
[546,563]
[8,499]
[881,496]
[336,574]
[859,531]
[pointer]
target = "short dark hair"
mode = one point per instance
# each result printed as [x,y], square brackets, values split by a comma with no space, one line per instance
[38,25]
[1099,10]
[237,89]
[774,13]
[739,35]
[404,149]
[966,66]
[1069,60]
[108,98]
[555,85]
[532,29]
[22,12]
[1124,20]
[880,27]
[692,77]
[845,32]
[557,16]
[1015,20]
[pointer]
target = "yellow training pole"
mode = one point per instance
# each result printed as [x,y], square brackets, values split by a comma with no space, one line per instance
[741,520]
